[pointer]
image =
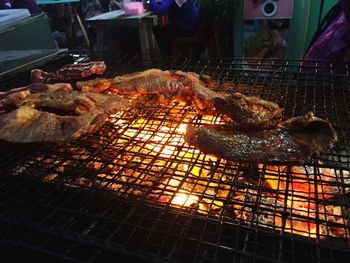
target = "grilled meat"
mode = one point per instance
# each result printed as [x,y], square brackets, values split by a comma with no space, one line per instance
[69,72]
[189,87]
[28,125]
[57,117]
[249,112]
[295,140]
[170,84]
[135,83]
[129,87]
[97,85]
[12,97]
[38,87]
[174,75]
[167,85]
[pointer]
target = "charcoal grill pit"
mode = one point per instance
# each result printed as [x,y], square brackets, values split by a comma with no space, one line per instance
[135,189]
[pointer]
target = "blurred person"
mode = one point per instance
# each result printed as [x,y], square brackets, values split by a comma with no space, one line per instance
[183,20]
[331,43]
[90,8]
[5,4]
[31,5]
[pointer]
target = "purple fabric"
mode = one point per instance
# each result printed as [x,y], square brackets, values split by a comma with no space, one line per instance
[333,45]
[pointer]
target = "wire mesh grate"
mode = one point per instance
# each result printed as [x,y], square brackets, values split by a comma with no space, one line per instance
[135,187]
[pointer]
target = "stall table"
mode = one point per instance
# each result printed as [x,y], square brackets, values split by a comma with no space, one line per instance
[117,18]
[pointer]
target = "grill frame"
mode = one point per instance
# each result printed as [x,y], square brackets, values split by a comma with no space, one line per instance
[67,214]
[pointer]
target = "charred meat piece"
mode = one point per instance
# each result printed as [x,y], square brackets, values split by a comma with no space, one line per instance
[57,117]
[38,87]
[12,97]
[249,112]
[69,72]
[295,140]
[28,125]
[175,74]
[202,99]
[97,85]
[137,75]
[130,80]
[168,86]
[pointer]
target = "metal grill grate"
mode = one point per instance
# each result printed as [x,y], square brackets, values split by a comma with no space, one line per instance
[135,187]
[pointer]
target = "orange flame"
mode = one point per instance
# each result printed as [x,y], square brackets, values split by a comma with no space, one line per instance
[182,199]
[182,128]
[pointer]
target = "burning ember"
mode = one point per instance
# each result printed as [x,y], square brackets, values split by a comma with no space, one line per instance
[307,191]
[184,200]
[147,158]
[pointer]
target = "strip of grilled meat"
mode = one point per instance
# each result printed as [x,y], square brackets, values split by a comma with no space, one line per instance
[12,97]
[69,72]
[167,85]
[170,84]
[57,117]
[190,87]
[295,140]
[96,85]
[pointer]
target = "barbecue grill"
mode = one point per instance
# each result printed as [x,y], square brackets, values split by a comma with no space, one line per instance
[134,190]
